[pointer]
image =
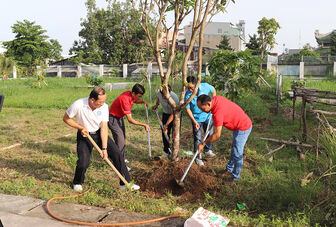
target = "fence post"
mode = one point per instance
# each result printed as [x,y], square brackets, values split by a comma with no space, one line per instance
[301,76]
[59,71]
[101,70]
[79,71]
[14,72]
[334,71]
[125,71]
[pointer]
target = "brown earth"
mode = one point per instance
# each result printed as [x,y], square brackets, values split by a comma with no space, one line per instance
[162,180]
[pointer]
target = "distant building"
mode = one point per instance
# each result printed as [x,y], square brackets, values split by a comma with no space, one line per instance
[324,42]
[215,30]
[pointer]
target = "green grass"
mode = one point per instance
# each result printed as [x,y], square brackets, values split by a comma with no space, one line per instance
[272,192]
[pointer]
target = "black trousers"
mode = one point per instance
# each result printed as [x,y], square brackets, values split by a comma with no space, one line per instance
[84,150]
[170,126]
[117,127]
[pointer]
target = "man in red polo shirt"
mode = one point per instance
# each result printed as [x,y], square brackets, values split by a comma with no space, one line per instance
[228,114]
[122,107]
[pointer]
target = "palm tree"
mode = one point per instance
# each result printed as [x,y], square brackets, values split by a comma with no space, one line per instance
[6,66]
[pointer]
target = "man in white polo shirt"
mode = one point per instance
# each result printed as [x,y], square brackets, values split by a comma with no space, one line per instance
[92,118]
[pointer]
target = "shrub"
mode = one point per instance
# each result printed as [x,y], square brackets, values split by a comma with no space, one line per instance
[253,106]
[93,80]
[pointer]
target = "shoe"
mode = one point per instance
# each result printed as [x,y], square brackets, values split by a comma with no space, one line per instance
[77,188]
[226,173]
[126,161]
[231,182]
[134,187]
[128,168]
[199,162]
[210,154]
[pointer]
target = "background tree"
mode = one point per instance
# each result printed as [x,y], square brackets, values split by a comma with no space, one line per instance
[31,46]
[234,72]
[6,66]
[111,36]
[333,45]
[267,30]
[202,12]
[224,43]
[297,57]
[253,45]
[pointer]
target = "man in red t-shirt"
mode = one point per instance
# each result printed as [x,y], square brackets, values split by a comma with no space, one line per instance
[228,114]
[122,107]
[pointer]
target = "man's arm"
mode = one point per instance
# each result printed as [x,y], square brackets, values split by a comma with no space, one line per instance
[142,102]
[170,119]
[104,136]
[157,104]
[214,93]
[216,134]
[132,121]
[191,116]
[73,124]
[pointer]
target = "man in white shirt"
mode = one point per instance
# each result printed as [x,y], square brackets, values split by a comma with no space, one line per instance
[92,118]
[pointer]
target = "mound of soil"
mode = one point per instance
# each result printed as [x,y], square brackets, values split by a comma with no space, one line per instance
[161,179]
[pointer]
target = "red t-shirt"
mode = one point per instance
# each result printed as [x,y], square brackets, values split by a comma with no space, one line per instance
[122,105]
[228,114]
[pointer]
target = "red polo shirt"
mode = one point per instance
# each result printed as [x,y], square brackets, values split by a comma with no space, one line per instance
[122,105]
[228,114]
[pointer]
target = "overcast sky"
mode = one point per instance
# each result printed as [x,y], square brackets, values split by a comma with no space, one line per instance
[298,18]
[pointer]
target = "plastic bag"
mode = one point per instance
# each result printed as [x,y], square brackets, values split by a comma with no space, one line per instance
[205,218]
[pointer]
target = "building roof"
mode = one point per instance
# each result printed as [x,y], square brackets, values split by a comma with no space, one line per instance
[326,38]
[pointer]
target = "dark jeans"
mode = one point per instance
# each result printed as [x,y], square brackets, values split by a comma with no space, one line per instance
[198,136]
[170,126]
[84,150]
[117,127]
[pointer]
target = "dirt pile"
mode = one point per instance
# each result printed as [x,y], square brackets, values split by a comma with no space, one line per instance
[162,180]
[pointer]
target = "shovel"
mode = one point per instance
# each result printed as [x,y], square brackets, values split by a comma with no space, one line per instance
[165,134]
[148,135]
[180,182]
[109,162]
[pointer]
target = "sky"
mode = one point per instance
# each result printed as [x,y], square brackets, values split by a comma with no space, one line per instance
[298,18]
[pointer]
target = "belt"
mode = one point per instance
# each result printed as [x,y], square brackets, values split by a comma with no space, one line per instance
[94,133]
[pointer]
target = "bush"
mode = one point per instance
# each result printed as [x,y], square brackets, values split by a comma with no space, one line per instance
[93,80]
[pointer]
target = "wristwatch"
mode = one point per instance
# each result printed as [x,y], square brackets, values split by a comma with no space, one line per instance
[104,149]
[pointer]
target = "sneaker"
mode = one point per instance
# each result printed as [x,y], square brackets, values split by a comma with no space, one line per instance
[164,155]
[134,187]
[199,162]
[77,188]
[210,154]
[128,168]
[126,161]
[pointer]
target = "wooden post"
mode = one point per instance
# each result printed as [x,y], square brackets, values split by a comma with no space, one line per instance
[304,118]
[294,99]
[318,137]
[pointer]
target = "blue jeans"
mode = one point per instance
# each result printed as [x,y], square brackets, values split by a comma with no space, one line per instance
[235,164]
[198,136]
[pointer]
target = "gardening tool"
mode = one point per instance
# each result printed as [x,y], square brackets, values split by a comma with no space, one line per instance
[148,135]
[165,134]
[180,182]
[109,162]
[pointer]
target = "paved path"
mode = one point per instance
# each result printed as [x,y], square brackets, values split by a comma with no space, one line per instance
[18,211]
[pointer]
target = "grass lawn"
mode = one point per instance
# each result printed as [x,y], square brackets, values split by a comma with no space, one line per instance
[42,166]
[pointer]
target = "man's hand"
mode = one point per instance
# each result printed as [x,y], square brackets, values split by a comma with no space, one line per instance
[200,147]
[165,129]
[146,103]
[196,125]
[147,127]
[104,154]
[155,107]
[84,132]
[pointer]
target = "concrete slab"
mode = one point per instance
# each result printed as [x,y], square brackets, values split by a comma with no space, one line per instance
[120,216]
[16,220]
[18,204]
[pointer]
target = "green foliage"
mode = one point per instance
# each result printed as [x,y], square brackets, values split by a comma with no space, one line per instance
[254,45]
[6,66]
[111,36]
[254,106]
[267,30]
[94,80]
[31,45]
[333,45]
[234,72]
[224,43]
[297,57]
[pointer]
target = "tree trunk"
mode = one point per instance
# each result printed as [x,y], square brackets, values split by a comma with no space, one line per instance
[176,134]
